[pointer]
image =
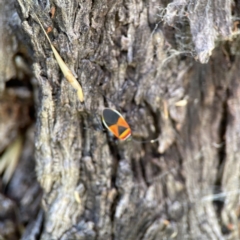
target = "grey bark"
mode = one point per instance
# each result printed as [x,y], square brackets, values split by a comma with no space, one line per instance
[140,56]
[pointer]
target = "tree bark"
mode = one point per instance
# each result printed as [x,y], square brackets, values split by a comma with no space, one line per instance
[163,66]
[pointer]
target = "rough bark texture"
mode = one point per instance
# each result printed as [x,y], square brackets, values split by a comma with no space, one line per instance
[144,58]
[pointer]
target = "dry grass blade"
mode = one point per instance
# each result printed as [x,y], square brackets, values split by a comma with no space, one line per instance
[65,70]
[9,159]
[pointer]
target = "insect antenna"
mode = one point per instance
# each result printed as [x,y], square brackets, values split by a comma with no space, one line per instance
[146,141]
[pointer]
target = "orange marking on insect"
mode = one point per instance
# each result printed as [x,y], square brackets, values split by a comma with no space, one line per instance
[114,130]
[126,134]
[122,122]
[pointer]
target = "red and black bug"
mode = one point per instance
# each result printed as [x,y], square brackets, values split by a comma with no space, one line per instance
[117,125]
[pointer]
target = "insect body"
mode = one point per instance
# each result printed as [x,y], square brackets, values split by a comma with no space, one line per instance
[116,124]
